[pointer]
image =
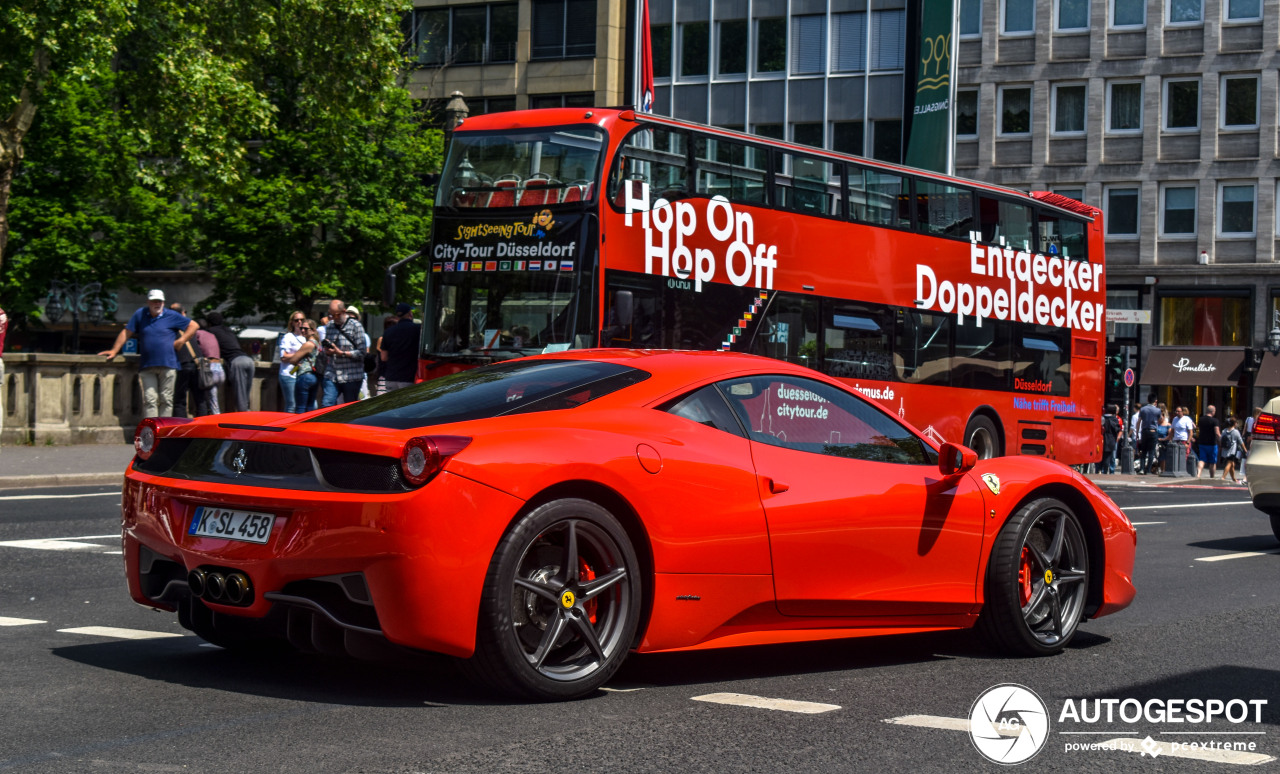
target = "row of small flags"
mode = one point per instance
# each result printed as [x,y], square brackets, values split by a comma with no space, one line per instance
[502,266]
[741,327]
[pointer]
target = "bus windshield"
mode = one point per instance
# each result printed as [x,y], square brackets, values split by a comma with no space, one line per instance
[522,169]
[498,316]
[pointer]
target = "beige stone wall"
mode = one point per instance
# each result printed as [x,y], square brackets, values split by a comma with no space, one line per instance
[65,399]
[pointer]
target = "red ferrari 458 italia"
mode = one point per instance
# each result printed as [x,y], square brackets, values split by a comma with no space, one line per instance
[540,518]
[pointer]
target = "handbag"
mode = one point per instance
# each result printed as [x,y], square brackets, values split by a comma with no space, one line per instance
[209,371]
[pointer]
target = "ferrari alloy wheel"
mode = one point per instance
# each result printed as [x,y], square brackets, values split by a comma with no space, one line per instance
[981,436]
[1037,581]
[561,603]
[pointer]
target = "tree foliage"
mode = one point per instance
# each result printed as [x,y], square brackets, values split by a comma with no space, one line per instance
[266,139]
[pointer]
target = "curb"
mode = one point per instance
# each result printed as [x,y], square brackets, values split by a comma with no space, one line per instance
[61,479]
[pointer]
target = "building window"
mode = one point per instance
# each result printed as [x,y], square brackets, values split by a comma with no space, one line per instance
[1124,107]
[808,44]
[1178,210]
[485,105]
[888,40]
[967,113]
[1073,15]
[1128,13]
[970,18]
[1236,209]
[581,99]
[771,45]
[471,34]
[1221,319]
[1015,110]
[1185,11]
[849,42]
[1182,105]
[807,134]
[1070,193]
[846,137]
[1243,10]
[695,49]
[1069,100]
[1121,207]
[1019,17]
[563,29]
[660,40]
[886,141]
[731,47]
[1239,107]
[772,131]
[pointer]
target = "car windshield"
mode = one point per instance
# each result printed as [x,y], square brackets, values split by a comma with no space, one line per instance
[522,169]
[516,387]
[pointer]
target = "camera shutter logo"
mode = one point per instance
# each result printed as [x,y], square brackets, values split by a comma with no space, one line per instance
[1009,724]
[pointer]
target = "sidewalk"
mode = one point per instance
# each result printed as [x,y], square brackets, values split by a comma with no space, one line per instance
[79,465]
[1134,480]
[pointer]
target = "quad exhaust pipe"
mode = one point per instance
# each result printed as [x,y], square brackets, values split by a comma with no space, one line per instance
[230,587]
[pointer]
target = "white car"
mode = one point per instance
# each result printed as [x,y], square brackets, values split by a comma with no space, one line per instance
[1264,463]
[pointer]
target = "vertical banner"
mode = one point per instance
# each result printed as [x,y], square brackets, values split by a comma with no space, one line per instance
[646,60]
[927,120]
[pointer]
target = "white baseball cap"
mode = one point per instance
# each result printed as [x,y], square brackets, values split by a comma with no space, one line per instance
[155,295]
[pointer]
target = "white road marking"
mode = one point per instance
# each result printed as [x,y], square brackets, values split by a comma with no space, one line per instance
[1119,744]
[60,544]
[621,690]
[1145,523]
[760,702]
[123,634]
[1185,505]
[931,721]
[60,497]
[19,621]
[1241,555]
[118,553]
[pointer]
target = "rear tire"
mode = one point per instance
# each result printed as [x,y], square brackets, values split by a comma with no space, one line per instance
[980,435]
[560,604]
[1037,581]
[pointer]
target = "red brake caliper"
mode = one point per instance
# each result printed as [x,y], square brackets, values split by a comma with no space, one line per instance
[1024,576]
[585,575]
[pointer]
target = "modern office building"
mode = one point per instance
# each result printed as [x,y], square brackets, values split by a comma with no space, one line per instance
[1164,115]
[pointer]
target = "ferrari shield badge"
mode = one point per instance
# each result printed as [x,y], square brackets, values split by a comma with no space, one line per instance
[992,481]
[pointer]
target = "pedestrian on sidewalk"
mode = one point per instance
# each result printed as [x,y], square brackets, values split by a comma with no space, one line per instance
[399,349]
[344,343]
[294,338]
[207,399]
[1184,429]
[1231,450]
[4,326]
[1148,422]
[1111,433]
[1208,437]
[237,364]
[161,333]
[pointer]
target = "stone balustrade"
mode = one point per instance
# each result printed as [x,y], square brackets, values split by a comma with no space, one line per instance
[65,399]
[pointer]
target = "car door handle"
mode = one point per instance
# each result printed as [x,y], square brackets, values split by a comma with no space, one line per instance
[777,487]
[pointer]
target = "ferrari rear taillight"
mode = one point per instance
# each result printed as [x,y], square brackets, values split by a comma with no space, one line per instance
[1266,426]
[148,433]
[423,457]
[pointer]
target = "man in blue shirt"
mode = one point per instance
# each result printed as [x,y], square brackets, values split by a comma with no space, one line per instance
[160,332]
[1149,420]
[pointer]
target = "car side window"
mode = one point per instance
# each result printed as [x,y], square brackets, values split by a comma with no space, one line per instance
[706,407]
[810,416]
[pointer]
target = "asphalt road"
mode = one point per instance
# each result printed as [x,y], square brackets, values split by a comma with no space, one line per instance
[80,699]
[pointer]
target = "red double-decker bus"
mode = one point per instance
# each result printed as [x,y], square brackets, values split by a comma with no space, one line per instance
[974,312]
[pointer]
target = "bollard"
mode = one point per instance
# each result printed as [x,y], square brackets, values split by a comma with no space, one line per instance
[1126,459]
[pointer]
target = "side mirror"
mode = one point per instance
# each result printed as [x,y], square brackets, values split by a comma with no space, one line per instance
[623,302]
[954,458]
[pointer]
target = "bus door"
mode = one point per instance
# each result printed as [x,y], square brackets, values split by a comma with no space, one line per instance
[861,521]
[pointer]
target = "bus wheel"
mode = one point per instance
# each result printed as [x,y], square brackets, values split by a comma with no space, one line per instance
[981,436]
[560,605]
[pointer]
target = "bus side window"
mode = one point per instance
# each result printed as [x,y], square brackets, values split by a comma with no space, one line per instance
[944,210]
[812,187]
[857,341]
[789,330]
[874,198]
[658,157]
[922,347]
[999,219]
[730,169]
[1059,235]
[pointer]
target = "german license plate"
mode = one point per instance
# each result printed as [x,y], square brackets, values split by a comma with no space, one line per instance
[224,523]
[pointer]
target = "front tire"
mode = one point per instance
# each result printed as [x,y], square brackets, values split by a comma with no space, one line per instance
[560,605]
[1037,581]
